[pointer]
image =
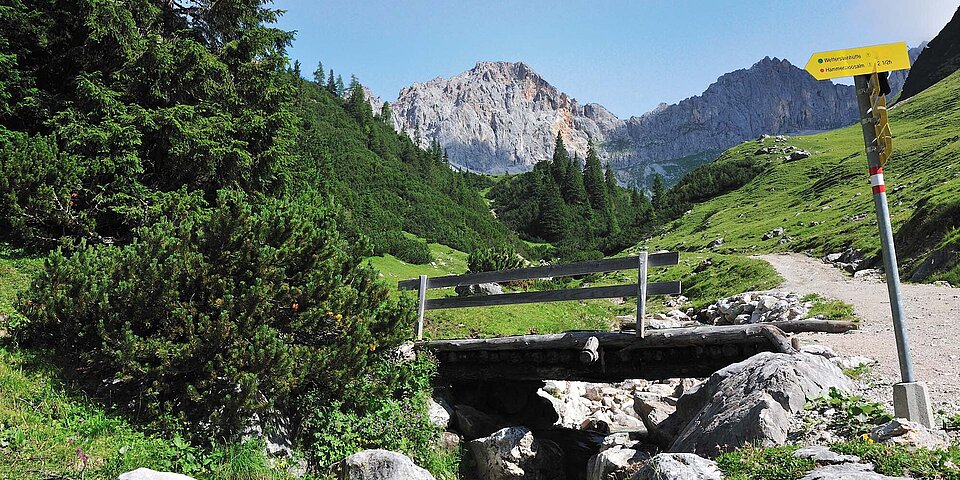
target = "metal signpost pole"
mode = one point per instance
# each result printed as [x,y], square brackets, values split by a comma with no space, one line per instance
[910,398]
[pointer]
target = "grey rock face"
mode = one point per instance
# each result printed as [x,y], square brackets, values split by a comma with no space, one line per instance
[513,453]
[750,402]
[498,117]
[380,465]
[148,474]
[502,116]
[678,466]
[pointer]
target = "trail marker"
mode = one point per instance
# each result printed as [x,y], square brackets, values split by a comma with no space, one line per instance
[858,61]
[868,66]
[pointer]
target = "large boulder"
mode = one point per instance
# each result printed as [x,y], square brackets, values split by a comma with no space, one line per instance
[678,466]
[380,465]
[750,402]
[472,423]
[513,453]
[654,411]
[148,474]
[602,464]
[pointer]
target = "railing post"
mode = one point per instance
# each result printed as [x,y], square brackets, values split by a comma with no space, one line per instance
[641,291]
[421,304]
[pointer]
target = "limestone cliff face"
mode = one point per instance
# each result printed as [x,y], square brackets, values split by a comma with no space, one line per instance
[772,97]
[498,117]
[503,117]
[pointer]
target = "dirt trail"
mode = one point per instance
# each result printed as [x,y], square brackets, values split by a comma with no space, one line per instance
[933,323]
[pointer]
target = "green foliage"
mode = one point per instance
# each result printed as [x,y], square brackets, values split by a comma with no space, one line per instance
[758,463]
[853,415]
[16,271]
[830,308]
[212,315]
[583,213]
[108,105]
[407,248]
[493,259]
[373,409]
[902,460]
[387,184]
[49,431]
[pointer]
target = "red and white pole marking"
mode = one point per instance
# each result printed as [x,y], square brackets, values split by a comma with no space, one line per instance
[876,180]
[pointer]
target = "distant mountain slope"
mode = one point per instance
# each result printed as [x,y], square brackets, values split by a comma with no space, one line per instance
[503,117]
[939,60]
[824,204]
[498,117]
[386,184]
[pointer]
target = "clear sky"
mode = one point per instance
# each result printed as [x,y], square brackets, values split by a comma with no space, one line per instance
[626,55]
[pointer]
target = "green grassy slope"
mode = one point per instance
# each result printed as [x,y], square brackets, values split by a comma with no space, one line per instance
[824,202]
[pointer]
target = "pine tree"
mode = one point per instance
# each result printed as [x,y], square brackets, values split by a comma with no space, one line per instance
[331,83]
[593,181]
[296,70]
[318,74]
[552,223]
[341,89]
[610,180]
[659,191]
[385,113]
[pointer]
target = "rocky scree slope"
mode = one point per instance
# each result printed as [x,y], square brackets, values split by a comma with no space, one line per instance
[504,117]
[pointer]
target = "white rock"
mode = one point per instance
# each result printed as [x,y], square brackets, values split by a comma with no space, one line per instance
[823,456]
[381,465]
[513,453]
[601,465]
[822,350]
[903,431]
[847,471]
[439,412]
[148,474]
[678,466]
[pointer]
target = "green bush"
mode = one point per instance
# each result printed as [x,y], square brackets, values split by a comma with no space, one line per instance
[212,315]
[493,259]
[409,249]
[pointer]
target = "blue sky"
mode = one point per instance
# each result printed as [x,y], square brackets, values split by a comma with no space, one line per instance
[626,55]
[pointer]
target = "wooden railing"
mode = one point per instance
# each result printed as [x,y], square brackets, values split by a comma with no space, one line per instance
[641,290]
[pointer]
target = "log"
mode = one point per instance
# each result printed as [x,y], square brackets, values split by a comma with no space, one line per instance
[590,352]
[793,326]
[815,325]
[677,337]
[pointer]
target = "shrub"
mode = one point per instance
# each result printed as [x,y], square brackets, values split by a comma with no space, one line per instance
[213,315]
[492,259]
[410,250]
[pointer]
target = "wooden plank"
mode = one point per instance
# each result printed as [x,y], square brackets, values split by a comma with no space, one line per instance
[676,337]
[561,270]
[815,325]
[656,288]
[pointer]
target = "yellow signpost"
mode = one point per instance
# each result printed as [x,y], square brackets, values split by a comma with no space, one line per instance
[858,61]
[868,67]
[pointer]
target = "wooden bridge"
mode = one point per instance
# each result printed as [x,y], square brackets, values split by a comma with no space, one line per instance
[588,355]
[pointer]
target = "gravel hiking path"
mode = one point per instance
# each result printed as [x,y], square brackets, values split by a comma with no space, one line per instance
[933,324]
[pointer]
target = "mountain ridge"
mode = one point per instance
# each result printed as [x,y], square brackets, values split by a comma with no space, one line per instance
[502,117]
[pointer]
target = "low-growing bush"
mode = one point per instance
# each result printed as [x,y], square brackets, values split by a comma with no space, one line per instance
[213,315]
[493,259]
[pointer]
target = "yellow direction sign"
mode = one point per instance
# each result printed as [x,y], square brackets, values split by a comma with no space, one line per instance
[859,61]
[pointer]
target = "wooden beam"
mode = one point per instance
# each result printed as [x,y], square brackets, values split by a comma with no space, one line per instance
[815,325]
[561,270]
[676,337]
[656,288]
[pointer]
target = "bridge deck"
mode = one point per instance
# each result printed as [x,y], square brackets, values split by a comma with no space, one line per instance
[605,356]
